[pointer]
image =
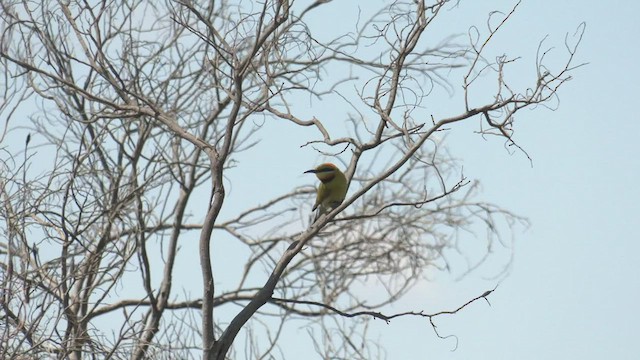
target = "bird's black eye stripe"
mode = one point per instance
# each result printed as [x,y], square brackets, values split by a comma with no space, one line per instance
[325,170]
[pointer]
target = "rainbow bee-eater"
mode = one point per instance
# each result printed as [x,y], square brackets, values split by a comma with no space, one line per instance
[332,189]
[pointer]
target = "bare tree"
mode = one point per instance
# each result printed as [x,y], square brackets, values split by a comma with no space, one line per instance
[139,113]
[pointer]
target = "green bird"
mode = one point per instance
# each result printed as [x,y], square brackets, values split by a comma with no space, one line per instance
[332,190]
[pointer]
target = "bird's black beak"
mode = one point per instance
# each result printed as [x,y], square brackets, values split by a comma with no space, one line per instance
[313,171]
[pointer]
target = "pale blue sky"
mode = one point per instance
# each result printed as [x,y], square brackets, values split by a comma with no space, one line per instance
[574,285]
[574,282]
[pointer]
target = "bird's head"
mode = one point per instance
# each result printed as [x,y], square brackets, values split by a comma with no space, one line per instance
[325,172]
